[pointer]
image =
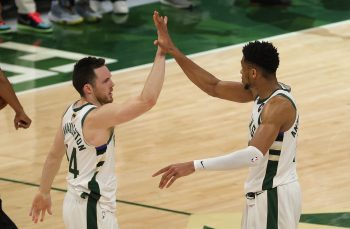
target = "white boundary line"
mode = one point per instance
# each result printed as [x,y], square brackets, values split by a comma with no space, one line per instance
[196,54]
[272,38]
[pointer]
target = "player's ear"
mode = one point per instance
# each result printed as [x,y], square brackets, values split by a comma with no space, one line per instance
[87,89]
[253,72]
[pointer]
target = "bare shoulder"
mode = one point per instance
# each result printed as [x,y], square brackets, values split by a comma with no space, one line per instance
[280,111]
[96,112]
[98,125]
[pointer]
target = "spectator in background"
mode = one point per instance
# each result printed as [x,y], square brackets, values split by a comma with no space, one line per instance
[4,28]
[28,18]
[271,2]
[181,4]
[106,6]
[72,12]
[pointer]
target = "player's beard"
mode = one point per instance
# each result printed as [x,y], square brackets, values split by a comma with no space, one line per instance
[104,99]
[247,85]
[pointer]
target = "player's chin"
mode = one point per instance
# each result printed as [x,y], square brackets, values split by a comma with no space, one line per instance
[106,100]
[110,99]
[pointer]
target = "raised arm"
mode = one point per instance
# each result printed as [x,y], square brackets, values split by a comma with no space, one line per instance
[21,120]
[111,114]
[207,82]
[42,200]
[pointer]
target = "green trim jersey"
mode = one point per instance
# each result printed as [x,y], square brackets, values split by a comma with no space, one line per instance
[91,171]
[278,166]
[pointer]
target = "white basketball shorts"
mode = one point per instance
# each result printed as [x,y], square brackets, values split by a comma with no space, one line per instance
[79,213]
[277,208]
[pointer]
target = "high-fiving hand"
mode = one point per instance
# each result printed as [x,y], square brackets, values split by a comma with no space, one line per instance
[164,41]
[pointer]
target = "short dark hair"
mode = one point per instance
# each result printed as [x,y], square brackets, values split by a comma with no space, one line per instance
[83,72]
[262,54]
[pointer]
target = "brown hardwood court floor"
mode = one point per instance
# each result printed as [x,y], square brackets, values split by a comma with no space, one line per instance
[187,124]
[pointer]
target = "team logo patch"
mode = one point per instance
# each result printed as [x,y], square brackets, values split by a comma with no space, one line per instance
[254,159]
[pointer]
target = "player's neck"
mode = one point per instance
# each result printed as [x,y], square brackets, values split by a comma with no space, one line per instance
[267,88]
[92,100]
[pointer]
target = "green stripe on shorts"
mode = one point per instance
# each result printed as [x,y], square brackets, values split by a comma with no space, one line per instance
[91,214]
[272,209]
[94,196]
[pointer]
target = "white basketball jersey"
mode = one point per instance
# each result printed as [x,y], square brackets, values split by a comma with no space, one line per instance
[91,169]
[278,166]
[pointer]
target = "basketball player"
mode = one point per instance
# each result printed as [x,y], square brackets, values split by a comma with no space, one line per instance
[21,120]
[273,196]
[8,96]
[86,134]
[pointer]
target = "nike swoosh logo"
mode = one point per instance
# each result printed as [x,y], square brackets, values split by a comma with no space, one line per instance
[202,164]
